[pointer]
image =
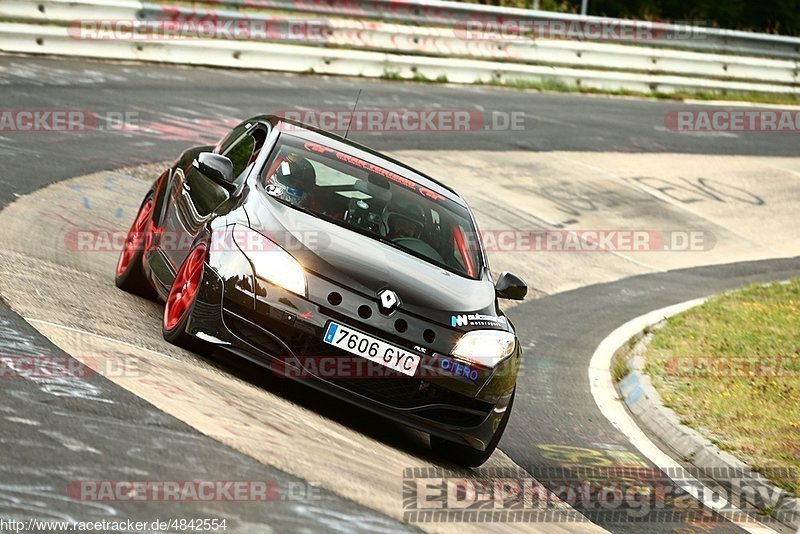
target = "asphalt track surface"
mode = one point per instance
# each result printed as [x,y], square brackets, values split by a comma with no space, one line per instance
[554,407]
[560,425]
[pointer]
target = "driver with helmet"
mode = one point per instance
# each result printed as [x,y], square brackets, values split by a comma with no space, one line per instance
[404,220]
[291,178]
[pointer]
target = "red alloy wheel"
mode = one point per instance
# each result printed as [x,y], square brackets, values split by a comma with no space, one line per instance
[184,288]
[136,235]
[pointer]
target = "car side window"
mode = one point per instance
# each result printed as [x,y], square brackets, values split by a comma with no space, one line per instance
[244,150]
[240,152]
[226,142]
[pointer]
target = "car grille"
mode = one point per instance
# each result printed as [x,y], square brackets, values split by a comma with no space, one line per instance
[391,388]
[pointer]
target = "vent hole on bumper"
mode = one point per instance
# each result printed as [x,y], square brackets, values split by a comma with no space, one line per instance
[429,335]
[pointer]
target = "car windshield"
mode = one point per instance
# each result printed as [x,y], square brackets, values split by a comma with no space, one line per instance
[373,201]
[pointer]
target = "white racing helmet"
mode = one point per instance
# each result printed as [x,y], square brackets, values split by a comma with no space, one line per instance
[293,180]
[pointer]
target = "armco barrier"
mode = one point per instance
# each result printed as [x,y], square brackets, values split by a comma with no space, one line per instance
[448,13]
[48,39]
[61,10]
[450,42]
[588,64]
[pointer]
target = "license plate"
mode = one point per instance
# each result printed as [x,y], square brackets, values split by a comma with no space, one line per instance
[372,349]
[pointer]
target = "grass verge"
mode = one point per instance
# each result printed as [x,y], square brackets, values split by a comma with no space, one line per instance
[558,86]
[731,369]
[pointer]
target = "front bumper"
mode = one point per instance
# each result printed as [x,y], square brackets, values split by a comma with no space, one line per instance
[283,332]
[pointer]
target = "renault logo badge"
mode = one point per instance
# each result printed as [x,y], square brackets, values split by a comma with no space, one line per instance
[389,300]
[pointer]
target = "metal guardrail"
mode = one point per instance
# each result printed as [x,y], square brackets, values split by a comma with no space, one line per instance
[448,13]
[407,51]
[451,42]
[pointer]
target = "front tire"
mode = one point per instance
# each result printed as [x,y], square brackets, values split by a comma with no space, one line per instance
[130,274]
[466,455]
[181,298]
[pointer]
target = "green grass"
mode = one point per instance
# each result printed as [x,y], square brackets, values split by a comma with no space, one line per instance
[620,367]
[707,365]
[391,74]
[558,86]
[546,84]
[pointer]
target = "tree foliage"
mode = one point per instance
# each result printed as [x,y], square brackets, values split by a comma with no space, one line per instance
[769,16]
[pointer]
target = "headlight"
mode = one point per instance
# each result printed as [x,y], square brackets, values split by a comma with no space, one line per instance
[270,261]
[485,347]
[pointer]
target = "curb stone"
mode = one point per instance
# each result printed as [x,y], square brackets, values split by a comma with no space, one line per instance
[645,404]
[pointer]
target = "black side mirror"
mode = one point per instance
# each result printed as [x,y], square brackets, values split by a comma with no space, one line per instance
[510,286]
[216,168]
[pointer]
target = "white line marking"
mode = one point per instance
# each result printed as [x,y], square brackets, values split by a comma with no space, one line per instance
[612,407]
[22,421]
[100,336]
[689,133]
[70,442]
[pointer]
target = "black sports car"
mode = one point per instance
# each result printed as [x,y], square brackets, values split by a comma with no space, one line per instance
[331,263]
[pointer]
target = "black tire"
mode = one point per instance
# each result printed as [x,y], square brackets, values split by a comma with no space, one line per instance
[466,455]
[131,278]
[180,338]
[176,334]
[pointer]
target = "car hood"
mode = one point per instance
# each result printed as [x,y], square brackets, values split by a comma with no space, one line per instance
[367,265]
